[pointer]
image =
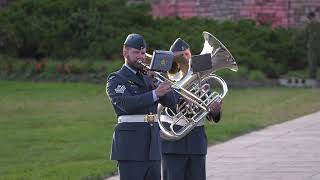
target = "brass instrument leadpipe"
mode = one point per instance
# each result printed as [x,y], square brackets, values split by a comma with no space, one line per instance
[185,93]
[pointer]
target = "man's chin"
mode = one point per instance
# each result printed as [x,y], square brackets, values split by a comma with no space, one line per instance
[136,67]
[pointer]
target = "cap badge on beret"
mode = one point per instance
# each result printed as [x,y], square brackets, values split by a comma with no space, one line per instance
[179,45]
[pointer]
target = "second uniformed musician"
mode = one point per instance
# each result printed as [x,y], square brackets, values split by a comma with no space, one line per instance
[184,159]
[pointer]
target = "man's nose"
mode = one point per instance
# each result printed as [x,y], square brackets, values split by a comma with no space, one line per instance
[186,57]
[141,55]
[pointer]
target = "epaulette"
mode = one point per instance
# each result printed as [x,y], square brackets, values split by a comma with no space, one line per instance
[112,75]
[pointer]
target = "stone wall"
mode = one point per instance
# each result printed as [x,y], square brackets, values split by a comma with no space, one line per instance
[285,13]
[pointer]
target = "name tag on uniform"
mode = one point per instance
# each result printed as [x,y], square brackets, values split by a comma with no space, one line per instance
[130,82]
[134,86]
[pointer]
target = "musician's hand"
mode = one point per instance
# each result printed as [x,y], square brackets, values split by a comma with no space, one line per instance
[154,81]
[163,88]
[151,74]
[215,106]
[214,111]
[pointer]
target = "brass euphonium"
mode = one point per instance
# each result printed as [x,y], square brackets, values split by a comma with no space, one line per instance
[195,90]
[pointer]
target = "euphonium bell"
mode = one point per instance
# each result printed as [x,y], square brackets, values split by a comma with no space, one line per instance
[179,69]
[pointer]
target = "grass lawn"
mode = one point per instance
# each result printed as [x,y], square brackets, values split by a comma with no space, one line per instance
[64,130]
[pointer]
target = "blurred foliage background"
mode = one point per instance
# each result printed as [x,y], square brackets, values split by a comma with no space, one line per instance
[47,129]
[82,32]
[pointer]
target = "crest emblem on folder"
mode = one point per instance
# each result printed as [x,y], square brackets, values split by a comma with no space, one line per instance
[163,62]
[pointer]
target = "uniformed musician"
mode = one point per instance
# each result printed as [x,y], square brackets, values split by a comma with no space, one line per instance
[184,159]
[136,142]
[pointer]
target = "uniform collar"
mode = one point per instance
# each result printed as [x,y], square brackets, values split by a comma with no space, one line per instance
[126,65]
[130,74]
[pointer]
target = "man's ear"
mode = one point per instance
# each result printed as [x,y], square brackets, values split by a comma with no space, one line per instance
[124,51]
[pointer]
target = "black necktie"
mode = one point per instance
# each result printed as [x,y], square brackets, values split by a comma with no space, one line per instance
[140,76]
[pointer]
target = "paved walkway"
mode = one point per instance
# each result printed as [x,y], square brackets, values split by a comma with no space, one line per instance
[287,151]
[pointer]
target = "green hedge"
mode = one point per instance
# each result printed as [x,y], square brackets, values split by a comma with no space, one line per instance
[29,67]
[67,29]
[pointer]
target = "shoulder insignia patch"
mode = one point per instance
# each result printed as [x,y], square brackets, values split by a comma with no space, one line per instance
[120,89]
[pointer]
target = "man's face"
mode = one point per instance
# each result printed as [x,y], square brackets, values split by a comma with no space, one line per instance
[185,54]
[132,56]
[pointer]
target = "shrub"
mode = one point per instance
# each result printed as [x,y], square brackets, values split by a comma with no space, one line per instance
[13,65]
[65,28]
[99,66]
[76,66]
[114,65]
[257,75]
[298,74]
[52,66]
[228,75]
